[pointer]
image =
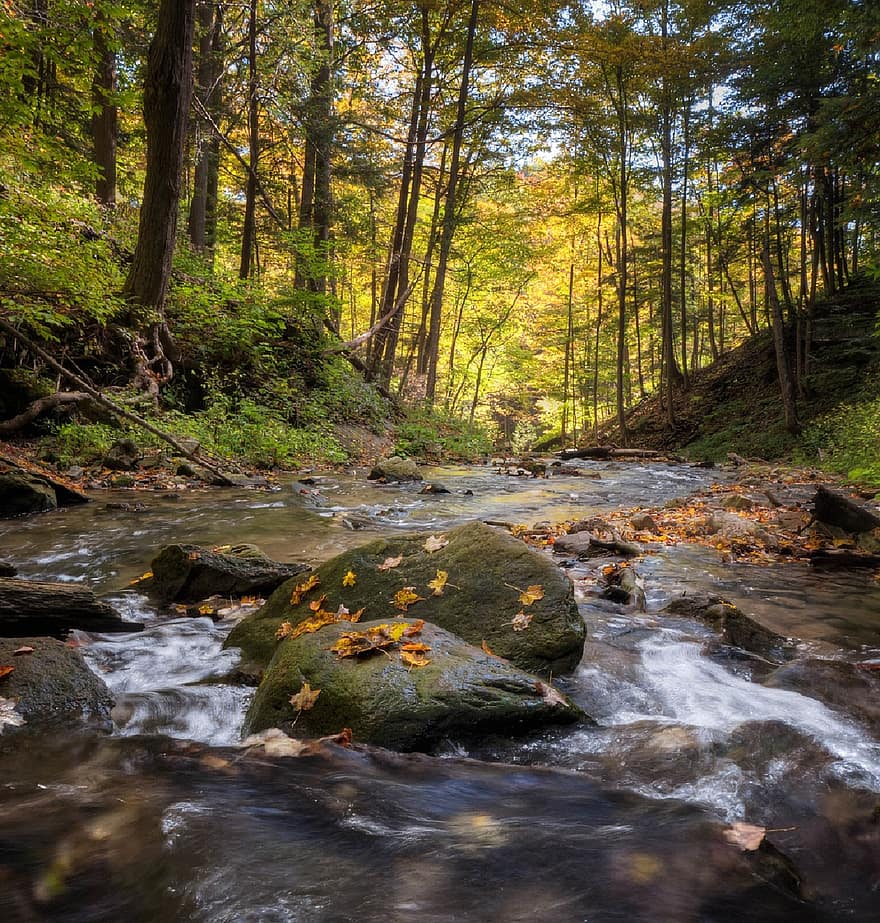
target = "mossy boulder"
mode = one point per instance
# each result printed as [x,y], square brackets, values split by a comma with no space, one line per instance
[461,691]
[394,469]
[52,681]
[188,573]
[486,571]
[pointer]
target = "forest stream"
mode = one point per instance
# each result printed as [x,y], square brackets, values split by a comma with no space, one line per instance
[163,818]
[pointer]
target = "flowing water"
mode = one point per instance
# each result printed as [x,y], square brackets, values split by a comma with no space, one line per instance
[162,818]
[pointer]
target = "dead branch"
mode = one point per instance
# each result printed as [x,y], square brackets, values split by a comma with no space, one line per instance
[41,405]
[112,406]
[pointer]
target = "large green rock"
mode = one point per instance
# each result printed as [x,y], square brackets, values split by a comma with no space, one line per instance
[487,569]
[461,691]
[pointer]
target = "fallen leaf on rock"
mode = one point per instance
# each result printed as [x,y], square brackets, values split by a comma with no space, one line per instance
[314,623]
[487,650]
[302,588]
[349,579]
[747,836]
[316,604]
[390,563]
[222,549]
[276,743]
[305,699]
[145,576]
[531,595]
[206,609]
[414,629]
[438,583]
[404,598]
[248,601]
[434,543]
[5,671]
[8,714]
[521,621]
[284,630]
[375,638]
[415,658]
[356,615]
[550,695]
[22,650]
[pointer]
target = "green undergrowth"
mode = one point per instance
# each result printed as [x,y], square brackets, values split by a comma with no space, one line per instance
[433,435]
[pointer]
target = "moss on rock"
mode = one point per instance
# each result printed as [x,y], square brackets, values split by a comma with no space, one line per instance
[486,571]
[461,690]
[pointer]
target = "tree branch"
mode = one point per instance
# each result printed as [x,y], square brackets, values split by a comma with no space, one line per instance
[41,405]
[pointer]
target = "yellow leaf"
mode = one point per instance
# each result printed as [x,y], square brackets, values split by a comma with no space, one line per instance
[206,609]
[314,623]
[356,616]
[438,583]
[415,655]
[284,630]
[144,576]
[247,601]
[521,621]
[487,650]
[222,549]
[390,563]
[531,595]
[305,698]
[302,588]
[349,579]
[316,604]
[415,628]
[404,598]
[434,543]
[747,836]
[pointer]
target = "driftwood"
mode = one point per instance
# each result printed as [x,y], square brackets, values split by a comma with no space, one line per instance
[115,408]
[840,557]
[601,452]
[835,509]
[41,405]
[29,609]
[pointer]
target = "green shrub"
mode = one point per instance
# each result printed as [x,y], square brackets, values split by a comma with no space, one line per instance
[847,441]
[434,435]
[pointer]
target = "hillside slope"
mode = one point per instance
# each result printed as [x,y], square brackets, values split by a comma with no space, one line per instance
[734,405]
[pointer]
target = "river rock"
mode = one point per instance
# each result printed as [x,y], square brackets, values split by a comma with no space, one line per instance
[462,690]
[22,494]
[123,455]
[844,686]
[587,545]
[395,469]
[188,573]
[486,569]
[738,502]
[7,569]
[623,585]
[52,681]
[736,628]
[31,607]
[833,509]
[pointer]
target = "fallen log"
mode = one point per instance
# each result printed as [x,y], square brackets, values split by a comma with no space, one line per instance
[39,406]
[603,452]
[30,608]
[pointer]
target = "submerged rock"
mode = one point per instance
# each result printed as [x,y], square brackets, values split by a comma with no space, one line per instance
[737,628]
[461,690]
[486,573]
[188,573]
[51,681]
[395,469]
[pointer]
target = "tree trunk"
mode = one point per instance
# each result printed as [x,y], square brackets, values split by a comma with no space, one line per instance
[783,367]
[249,228]
[449,209]
[105,121]
[167,93]
[203,207]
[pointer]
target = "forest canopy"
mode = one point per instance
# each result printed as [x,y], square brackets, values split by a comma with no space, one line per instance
[525,215]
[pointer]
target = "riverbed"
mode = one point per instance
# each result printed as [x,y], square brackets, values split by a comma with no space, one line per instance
[162,817]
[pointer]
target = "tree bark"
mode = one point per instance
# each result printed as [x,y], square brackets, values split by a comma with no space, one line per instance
[105,121]
[249,228]
[783,367]
[167,92]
